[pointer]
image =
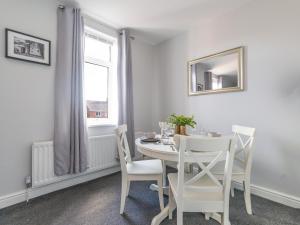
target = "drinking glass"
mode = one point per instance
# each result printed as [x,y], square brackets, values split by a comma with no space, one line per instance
[163,127]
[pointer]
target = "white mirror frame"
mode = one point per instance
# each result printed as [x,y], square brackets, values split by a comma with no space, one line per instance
[240,86]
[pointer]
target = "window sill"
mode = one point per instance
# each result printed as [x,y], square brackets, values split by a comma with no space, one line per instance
[101,125]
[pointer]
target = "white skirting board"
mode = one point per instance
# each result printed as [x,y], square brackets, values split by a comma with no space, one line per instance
[272,195]
[21,196]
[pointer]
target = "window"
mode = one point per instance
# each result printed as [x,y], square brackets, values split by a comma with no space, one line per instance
[216,82]
[100,78]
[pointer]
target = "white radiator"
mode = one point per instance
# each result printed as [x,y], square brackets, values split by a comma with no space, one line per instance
[101,155]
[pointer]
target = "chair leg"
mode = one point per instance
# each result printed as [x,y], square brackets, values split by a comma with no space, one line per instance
[160,193]
[207,216]
[232,190]
[179,216]
[164,173]
[172,203]
[128,187]
[225,218]
[225,214]
[247,196]
[123,194]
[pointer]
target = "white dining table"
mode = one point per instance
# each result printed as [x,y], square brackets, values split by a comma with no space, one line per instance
[165,153]
[157,150]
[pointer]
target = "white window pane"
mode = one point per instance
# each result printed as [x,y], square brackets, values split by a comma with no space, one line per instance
[97,49]
[96,93]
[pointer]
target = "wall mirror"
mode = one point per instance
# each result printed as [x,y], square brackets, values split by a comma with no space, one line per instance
[221,72]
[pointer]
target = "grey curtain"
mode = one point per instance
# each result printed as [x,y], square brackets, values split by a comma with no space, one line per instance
[125,87]
[70,131]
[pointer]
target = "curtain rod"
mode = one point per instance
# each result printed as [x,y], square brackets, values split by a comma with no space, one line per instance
[62,7]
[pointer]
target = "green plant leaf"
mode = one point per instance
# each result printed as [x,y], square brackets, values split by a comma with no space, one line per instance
[182,120]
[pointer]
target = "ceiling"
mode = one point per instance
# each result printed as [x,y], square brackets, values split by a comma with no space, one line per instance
[157,20]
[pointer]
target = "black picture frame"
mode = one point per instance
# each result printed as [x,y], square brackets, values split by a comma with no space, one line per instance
[34,49]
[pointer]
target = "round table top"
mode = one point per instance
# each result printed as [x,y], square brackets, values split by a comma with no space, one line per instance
[162,151]
[157,150]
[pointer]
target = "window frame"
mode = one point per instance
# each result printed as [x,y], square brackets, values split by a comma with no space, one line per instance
[111,66]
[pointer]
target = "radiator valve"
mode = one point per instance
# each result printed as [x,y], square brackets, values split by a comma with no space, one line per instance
[28,181]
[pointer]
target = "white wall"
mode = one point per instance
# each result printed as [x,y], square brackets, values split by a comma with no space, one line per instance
[271,102]
[144,86]
[27,90]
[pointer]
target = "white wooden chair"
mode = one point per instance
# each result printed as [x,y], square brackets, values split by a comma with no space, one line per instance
[202,192]
[242,163]
[136,170]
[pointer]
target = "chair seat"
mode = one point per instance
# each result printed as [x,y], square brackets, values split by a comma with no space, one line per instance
[153,166]
[211,192]
[238,168]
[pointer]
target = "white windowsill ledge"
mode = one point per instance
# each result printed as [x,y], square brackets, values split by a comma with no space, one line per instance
[101,125]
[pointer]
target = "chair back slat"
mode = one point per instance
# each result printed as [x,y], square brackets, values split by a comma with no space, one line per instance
[123,147]
[247,131]
[207,144]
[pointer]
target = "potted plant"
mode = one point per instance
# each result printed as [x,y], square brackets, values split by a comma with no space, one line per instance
[180,122]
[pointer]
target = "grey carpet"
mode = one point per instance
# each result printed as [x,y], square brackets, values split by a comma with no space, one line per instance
[97,203]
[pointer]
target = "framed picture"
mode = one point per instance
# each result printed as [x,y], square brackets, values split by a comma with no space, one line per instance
[26,47]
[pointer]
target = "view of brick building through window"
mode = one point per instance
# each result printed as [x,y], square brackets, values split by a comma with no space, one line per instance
[97,109]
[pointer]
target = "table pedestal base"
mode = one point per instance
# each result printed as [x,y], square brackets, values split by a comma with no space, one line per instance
[215,216]
[161,216]
[154,187]
[165,213]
